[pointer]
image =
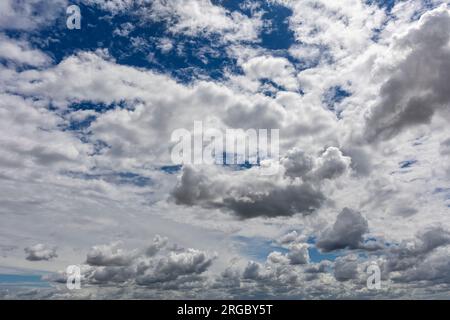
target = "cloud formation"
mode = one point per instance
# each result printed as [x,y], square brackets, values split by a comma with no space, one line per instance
[414,91]
[346,232]
[358,90]
[39,252]
[296,189]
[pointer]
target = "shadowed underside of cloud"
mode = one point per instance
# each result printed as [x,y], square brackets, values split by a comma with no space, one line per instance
[167,270]
[347,232]
[418,85]
[158,265]
[40,252]
[295,189]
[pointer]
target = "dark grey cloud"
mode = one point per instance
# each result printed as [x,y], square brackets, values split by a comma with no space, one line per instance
[347,232]
[433,269]
[249,198]
[285,201]
[250,195]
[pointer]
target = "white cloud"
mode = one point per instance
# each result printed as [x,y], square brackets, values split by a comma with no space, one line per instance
[278,70]
[29,15]
[20,52]
[194,17]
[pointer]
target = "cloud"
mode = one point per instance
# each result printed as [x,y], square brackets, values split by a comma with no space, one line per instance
[158,265]
[445,147]
[194,18]
[332,164]
[115,6]
[434,269]
[20,53]
[278,70]
[29,15]
[297,163]
[346,268]
[289,238]
[408,255]
[346,232]
[414,90]
[298,254]
[40,252]
[108,255]
[249,194]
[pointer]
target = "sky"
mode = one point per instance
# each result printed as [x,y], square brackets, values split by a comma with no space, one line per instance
[359,91]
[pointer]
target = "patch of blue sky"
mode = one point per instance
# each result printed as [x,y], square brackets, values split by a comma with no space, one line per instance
[80,125]
[126,178]
[259,248]
[275,33]
[190,57]
[99,145]
[97,107]
[387,4]
[171,169]
[442,190]
[334,96]
[230,160]
[407,164]
[317,256]
[270,88]
[23,280]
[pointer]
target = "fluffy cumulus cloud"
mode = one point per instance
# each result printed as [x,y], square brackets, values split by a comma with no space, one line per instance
[357,89]
[194,17]
[252,194]
[414,91]
[158,266]
[40,252]
[346,232]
